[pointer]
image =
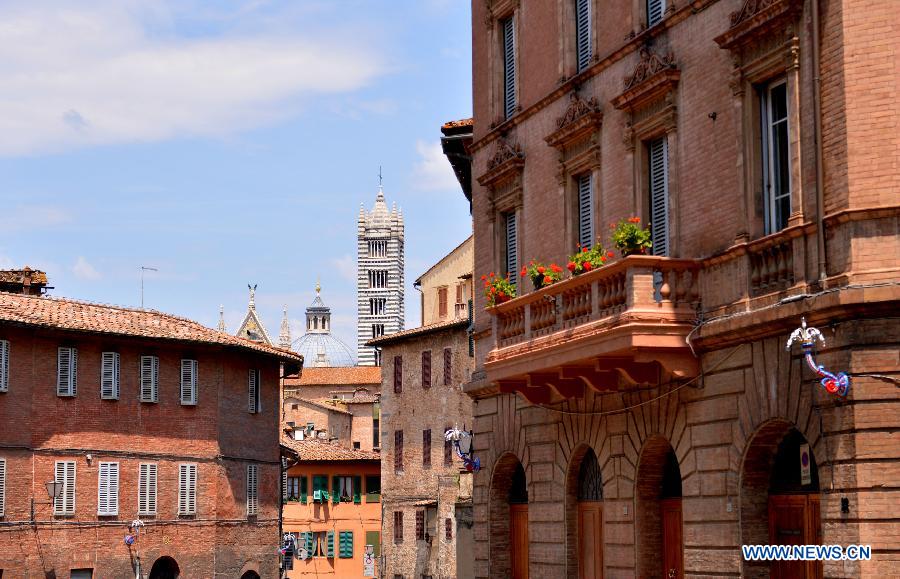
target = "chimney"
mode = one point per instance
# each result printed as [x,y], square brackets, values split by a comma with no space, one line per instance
[26,281]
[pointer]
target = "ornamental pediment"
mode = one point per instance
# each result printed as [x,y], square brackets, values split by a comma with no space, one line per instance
[755,20]
[581,118]
[654,75]
[506,161]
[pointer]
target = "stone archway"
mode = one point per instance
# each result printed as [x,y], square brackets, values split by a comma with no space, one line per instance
[776,506]
[509,520]
[658,518]
[584,515]
[165,568]
[250,575]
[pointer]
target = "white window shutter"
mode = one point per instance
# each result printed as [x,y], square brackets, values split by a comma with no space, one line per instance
[252,489]
[253,392]
[512,258]
[149,379]
[2,487]
[67,372]
[65,473]
[583,33]
[109,376]
[585,210]
[509,67]
[147,489]
[189,381]
[659,196]
[4,365]
[187,489]
[108,489]
[655,11]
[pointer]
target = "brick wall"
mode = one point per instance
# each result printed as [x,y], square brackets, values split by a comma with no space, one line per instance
[37,428]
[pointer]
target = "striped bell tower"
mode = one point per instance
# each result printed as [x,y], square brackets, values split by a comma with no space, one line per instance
[380,279]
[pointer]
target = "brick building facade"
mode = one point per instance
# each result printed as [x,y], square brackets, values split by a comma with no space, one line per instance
[644,418]
[141,415]
[427,495]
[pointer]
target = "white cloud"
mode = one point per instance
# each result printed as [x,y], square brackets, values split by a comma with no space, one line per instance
[346,267]
[433,171]
[84,270]
[112,71]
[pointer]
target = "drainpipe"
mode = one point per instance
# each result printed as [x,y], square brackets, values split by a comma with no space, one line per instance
[820,173]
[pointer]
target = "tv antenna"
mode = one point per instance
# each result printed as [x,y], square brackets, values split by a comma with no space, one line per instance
[143,269]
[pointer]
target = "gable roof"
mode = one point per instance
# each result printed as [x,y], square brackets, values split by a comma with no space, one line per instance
[252,324]
[335,376]
[81,316]
[415,332]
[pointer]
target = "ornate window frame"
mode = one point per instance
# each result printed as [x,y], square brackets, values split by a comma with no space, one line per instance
[503,182]
[763,39]
[650,101]
[577,141]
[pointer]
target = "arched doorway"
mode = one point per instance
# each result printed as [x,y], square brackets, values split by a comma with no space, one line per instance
[589,507]
[509,520]
[658,520]
[250,575]
[164,568]
[780,499]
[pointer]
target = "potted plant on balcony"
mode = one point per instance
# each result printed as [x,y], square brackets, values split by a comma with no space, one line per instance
[542,275]
[587,259]
[497,289]
[630,238]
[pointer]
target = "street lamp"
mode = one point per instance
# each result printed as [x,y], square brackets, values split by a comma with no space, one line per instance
[54,491]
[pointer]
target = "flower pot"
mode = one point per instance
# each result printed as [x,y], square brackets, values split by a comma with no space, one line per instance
[538,281]
[634,251]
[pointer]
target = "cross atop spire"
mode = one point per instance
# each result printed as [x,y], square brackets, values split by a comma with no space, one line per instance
[221,326]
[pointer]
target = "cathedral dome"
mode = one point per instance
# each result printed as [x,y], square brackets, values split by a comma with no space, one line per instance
[318,347]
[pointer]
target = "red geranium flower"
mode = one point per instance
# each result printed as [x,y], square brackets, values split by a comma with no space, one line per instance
[548,280]
[524,271]
[609,254]
[492,274]
[571,266]
[584,250]
[541,269]
[555,268]
[587,266]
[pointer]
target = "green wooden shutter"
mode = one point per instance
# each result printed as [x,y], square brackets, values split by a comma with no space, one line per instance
[357,490]
[329,548]
[303,489]
[345,543]
[308,543]
[335,490]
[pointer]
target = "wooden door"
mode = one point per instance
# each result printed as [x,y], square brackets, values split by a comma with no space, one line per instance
[795,520]
[672,538]
[518,530]
[590,539]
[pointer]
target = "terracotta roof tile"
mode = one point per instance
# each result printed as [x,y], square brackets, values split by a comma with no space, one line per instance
[79,316]
[460,123]
[313,376]
[400,336]
[314,449]
[18,275]
[324,403]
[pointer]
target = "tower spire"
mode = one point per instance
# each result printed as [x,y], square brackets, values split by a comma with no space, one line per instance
[284,337]
[252,289]
[221,326]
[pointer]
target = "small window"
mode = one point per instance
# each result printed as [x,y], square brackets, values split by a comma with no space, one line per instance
[420,525]
[252,489]
[147,488]
[356,445]
[64,504]
[108,489]
[376,425]
[373,488]
[2,487]
[509,66]
[345,488]
[4,365]
[442,302]
[67,372]
[378,278]
[149,379]
[448,450]
[81,574]
[189,382]
[377,330]
[398,374]
[187,489]
[109,376]
[426,448]
[448,367]
[374,538]
[584,185]
[655,11]
[426,369]
[253,391]
[583,33]
[398,526]
[398,451]
[448,529]
[320,544]
[510,258]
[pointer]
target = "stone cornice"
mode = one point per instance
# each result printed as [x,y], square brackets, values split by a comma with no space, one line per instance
[506,160]
[654,76]
[582,117]
[756,18]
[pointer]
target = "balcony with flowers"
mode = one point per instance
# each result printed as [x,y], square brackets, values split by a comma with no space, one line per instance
[609,324]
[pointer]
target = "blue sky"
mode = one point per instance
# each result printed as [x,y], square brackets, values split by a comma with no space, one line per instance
[226,143]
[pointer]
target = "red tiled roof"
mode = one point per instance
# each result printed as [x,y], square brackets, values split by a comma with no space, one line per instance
[315,376]
[18,275]
[400,336]
[460,123]
[79,316]
[314,449]
[361,398]
[325,403]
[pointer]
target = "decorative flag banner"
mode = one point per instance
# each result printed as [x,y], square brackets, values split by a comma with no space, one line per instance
[834,383]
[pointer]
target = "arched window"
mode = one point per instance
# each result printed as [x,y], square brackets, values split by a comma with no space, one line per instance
[590,483]
[518,491]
